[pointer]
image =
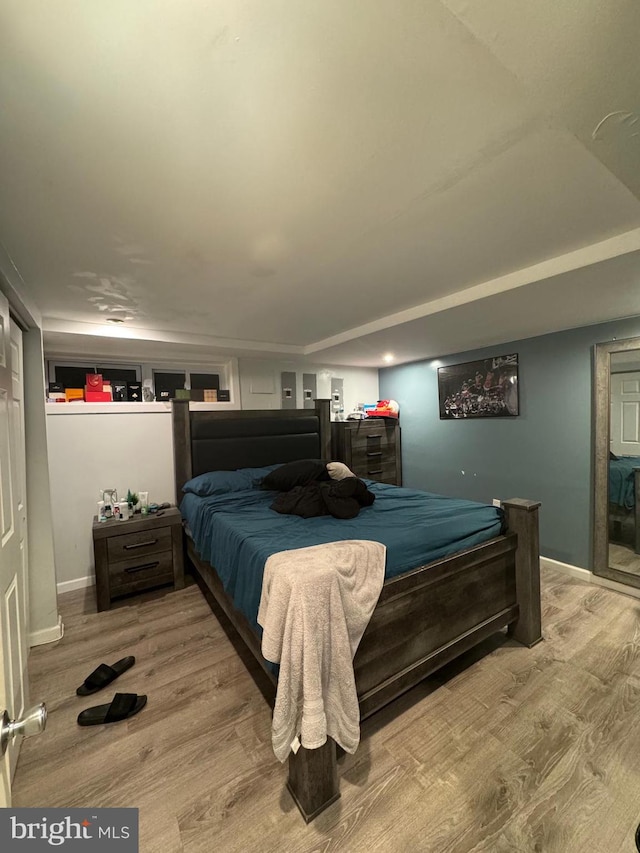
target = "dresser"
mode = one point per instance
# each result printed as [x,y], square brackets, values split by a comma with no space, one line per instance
[370,448]
[138,554]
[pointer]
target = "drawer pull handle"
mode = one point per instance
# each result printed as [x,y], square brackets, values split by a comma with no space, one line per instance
[375,472]
[140,544]
[141,568]
[375,435]
[374,453]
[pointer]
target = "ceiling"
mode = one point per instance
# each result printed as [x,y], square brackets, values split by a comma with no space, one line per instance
[332,179]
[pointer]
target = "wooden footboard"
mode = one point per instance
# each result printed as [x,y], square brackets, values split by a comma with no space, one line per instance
[451,606]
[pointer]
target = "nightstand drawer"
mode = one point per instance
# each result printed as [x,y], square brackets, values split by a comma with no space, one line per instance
[130,546]
[138,554]
[149,569]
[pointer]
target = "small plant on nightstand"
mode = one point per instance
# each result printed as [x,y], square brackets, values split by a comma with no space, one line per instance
[132,500]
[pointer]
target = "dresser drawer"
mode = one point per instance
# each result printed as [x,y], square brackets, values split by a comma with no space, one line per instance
[372,440]
[149,569]
[374,469]
[372,457]
[130,546]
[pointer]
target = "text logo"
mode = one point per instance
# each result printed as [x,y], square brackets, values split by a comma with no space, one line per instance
[34,830]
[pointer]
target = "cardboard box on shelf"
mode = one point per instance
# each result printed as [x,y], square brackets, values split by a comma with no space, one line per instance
[119,391]
[74,394]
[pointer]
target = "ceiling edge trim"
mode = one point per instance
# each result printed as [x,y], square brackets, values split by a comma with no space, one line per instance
[621,244]
[73,327]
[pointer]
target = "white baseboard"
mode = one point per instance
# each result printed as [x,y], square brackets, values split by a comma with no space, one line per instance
[47,635]
[567,569]
[76,583]
[588,577]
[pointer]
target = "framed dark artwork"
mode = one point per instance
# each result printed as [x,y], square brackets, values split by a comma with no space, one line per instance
[479,389]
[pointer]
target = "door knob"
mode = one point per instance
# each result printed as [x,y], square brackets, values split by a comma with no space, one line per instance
[33,723]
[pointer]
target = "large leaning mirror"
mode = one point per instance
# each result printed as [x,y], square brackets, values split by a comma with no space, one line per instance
[617,461]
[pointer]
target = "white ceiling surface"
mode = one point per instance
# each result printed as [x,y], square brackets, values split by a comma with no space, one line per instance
[264,177]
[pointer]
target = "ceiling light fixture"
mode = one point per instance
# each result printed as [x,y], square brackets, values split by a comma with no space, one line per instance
[388,357]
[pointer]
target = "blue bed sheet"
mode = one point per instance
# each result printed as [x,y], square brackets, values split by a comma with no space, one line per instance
[621,480]
[237,532]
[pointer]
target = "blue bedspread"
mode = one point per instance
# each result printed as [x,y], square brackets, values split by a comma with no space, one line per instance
[621,480]
[236,532]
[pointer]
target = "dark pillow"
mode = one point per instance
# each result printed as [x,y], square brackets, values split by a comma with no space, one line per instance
[612,457]
[294,474]
[220,482]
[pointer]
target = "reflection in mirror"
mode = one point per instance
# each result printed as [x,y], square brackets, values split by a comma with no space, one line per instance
[617,461]
[624,462]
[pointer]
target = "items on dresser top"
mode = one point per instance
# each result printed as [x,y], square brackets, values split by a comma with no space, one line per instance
[143,553]
[384,409]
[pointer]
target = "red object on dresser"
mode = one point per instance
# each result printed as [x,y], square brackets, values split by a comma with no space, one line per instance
[96,396]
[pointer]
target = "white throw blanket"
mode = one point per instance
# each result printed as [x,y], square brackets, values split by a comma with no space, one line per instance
[316,603]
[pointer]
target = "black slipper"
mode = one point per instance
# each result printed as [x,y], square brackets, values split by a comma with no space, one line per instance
[123,706]
[104,675]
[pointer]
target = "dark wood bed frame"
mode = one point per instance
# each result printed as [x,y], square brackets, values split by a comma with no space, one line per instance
[451,605]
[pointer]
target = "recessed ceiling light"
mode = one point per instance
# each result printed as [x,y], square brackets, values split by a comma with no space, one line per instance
[114,320]
[388,357]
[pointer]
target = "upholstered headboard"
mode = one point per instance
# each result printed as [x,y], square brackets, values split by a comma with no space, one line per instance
[224,441]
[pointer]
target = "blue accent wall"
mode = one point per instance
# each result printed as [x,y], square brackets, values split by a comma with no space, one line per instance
[544,454]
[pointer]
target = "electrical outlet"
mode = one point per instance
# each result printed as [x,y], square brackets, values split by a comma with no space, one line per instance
[496,502]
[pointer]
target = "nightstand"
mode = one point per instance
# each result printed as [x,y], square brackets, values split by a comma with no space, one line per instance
[138,554]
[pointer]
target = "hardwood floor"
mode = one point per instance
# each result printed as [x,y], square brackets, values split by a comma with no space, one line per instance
[509,750]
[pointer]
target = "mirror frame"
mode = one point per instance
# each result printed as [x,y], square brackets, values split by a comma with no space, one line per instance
[601,445]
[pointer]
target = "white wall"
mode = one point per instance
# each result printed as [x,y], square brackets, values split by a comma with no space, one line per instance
[260,382]
[43,603]
[89,452]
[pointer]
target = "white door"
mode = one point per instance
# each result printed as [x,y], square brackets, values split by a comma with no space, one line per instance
[13,631]
[625,414]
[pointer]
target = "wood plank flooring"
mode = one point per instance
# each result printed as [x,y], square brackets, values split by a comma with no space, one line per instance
[509,749]
[624,558]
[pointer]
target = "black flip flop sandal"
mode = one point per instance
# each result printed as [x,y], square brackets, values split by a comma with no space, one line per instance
[103,675]
[122,706]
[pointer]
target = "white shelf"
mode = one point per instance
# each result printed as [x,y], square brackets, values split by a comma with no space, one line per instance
[129,408]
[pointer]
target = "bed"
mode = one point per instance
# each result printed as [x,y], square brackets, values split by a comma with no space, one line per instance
[624,500]
[452,603]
